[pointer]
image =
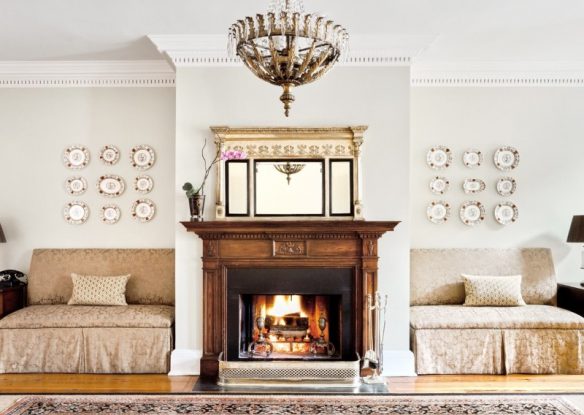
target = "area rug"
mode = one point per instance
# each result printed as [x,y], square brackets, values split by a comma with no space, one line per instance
[293,405]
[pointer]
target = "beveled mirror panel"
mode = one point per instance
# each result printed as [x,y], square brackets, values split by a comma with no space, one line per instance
[341,187]
[289,188]
[310,172]
[237,187]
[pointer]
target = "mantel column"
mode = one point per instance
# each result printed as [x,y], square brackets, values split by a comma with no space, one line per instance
[369,268]
[213,286]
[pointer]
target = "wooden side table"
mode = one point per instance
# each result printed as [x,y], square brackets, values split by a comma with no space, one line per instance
[12,299]
[571,297]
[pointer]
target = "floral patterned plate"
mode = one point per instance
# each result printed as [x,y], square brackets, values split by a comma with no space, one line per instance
[110,185]
[472,158]
[439,157]
[76,213]
[506,186]
[76,157]
[110,155]
[439,185]
[142,157]
[506,213]
[110,214]
[438,211]
[143,210]
[76,185]
[506,158]
[472,213]
[472,186]
[143,184]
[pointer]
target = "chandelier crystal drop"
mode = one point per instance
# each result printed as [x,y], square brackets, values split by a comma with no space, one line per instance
[288,47]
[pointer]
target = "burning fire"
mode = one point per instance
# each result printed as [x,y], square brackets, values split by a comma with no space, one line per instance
[286,305]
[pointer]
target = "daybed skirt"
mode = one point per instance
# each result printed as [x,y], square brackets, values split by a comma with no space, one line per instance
[85,350]
[497,351]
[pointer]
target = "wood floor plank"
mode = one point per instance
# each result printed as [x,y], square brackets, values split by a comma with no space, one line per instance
[84,383]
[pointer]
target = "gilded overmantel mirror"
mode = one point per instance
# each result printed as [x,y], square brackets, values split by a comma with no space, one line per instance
[290,172]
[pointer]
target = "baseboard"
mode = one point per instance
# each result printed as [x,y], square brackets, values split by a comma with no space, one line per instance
[398,363]
[185,362]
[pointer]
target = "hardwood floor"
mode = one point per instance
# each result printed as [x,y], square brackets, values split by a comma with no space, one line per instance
[65,383]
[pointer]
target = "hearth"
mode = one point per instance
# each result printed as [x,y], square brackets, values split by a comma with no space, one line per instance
[285,301]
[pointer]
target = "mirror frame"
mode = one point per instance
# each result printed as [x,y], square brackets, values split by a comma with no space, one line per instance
[286,143]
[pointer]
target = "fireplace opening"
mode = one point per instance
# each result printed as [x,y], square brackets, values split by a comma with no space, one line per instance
[290,314]
[290,326]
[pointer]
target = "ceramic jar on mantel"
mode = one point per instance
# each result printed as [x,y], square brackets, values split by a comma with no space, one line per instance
[197,207]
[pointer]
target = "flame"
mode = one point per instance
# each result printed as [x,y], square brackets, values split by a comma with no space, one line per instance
[286,304]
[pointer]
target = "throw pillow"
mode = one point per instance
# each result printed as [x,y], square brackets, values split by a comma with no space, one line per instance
[93,290]
[492,291]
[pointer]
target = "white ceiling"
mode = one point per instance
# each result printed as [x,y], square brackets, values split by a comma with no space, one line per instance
[494,30]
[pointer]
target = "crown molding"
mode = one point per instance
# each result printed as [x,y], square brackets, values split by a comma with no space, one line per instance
[365,50]
[497,74]
[46,74]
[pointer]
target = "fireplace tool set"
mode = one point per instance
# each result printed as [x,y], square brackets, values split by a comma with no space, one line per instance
[373,358]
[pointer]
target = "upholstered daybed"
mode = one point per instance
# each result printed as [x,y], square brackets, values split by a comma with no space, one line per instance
[449,338]
[50,336]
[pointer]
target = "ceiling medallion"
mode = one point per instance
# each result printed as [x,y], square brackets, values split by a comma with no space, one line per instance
[288,47]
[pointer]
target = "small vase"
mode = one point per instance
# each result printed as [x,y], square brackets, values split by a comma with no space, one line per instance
[197,207]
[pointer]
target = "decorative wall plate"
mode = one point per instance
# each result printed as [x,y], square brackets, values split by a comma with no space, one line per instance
[439,157]
[110,214]
[142,157]
[110,185]
[506,186]
[143,210]
[439,185]
[472,213]
[143,184]
[472,186]
[438,211]
[506,158]
[472,158]
[76,157]
[506,213]
[76,213]
[76,185]
[109,155]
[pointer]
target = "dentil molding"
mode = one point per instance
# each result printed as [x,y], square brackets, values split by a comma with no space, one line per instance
[47,74]
[365,51]
[496,74]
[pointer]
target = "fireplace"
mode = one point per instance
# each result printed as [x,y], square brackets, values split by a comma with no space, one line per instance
[286,299]
[290,314]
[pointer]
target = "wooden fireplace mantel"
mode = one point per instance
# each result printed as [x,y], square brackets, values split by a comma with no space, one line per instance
[314,243]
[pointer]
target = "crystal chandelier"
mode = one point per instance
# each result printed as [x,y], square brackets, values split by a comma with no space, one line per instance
[286,46]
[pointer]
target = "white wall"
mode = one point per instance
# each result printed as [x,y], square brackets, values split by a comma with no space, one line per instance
[36,125]
[546,126]
[378,97]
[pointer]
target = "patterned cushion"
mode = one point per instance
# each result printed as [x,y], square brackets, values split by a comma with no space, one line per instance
[461,317]
[92,290]
[88,316]
[492,291]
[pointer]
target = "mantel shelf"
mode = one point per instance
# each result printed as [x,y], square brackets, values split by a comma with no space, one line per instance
[302,226]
